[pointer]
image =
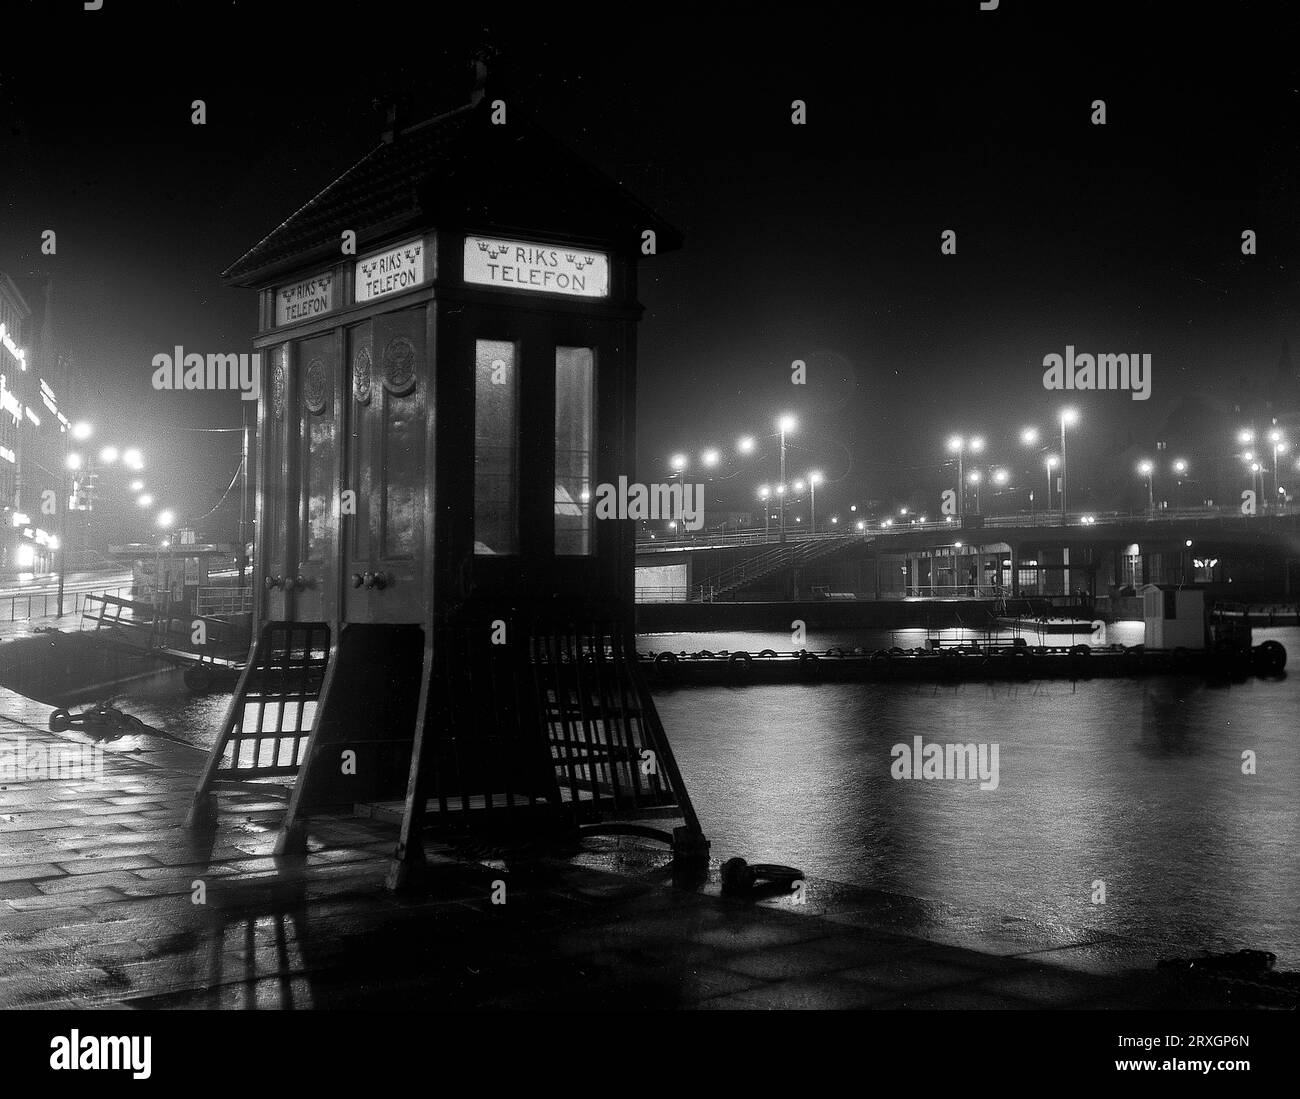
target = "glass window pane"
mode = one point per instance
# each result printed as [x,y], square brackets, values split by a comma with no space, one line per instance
[496,448]
[574,398]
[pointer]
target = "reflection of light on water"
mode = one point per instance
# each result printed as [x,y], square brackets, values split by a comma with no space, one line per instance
[1136,776]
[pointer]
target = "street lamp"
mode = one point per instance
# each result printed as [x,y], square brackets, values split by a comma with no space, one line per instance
[82,430]
[710,458]
[1147,468]
[145,501]
[1279,447]
[166,519]
[1050,462]
[133,458]
[784,424]
[814,479]
[108,455]
[763,493]
[746,445]
[1071,417]
[975,480]
[959,446]
[1179,467]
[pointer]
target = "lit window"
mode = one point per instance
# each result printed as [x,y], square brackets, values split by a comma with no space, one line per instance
[574,398]
[496,448]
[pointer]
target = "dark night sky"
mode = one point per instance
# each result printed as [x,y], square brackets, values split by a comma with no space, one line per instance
[817,242]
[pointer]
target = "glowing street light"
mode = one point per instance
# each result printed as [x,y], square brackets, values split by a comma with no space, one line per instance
[746,445]
[1069,416]
[678,463]
[145,501]
[1279,447]
[81,430]
[959,446]
[710,458]
[137,486]
[785,424]
[1147,469]
[1029,436]
[814,479]
[108,455]
[74,461]
[166,519]
[1245,436]
[1180,468]
[133,458]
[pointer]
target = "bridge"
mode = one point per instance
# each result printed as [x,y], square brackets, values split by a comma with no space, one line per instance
[1097,554]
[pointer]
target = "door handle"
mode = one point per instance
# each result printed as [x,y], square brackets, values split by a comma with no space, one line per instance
[303,582]
[273,582]
[357,579]
[376,580]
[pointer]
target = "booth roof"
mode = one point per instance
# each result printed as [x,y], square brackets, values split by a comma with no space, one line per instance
[457,170]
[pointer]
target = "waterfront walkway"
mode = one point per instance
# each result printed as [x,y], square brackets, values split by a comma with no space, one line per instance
[98,884]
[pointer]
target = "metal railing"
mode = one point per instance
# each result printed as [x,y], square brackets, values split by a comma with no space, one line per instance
[1286,519]
[25,606]
[223,600]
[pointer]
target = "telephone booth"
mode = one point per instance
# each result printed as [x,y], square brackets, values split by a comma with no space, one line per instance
[447,343]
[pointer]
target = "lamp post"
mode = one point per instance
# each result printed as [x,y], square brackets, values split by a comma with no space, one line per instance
[958,445]
[814,478]
[1180,468]
[763,493]
[975,479]
[79,431]
[1068,416]
[1275,437]
[1050,464]
[784,424]
[1147,469]
[678,463]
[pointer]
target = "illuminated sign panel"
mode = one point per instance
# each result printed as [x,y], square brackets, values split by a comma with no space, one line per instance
[304,300]
[400,268]
[539,268]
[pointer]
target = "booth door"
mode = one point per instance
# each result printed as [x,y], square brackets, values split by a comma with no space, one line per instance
[390,410]
[277,497]
[314,583]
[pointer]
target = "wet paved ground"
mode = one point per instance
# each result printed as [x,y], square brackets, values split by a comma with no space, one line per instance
[97,883]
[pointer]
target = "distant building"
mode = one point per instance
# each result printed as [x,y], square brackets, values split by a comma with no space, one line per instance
[33,377]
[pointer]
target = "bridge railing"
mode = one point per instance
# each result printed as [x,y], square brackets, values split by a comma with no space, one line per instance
[1285,518]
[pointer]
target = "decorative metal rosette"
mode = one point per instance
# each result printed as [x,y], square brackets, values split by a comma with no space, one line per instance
[399,366]
[279,387]
[315,386]
[361,375]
